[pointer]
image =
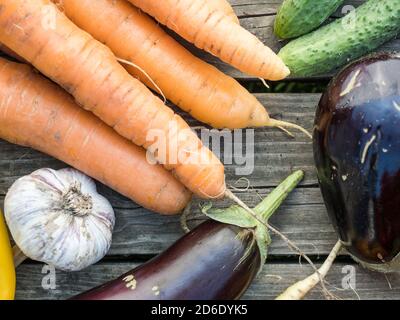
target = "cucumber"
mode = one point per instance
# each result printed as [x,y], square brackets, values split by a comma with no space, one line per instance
[298,17]
[370,25]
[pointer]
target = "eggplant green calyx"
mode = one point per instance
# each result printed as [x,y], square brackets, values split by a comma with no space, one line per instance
[237,216]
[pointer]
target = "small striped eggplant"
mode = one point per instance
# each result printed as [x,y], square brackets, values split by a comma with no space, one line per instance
[217,260]
[357,153]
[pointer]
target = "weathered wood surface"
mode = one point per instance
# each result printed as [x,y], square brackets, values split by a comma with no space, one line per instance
[275,153]
[246,8]
[302,218]
[140,234]
[274,279]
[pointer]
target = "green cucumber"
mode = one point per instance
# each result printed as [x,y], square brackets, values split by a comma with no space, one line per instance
[369,26]
[298,17]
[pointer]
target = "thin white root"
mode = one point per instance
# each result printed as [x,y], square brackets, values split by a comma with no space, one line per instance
[241,189]
[264,83]
[129,63]
[212,197]
[284,124]
[286,131]
[274,276]
[355,292]
[289,243]
[184,216]
[19,256]
[300,289]
[388,281]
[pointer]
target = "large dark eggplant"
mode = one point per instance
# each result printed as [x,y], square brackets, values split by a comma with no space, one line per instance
[205,264]
[215,261]
[357,154]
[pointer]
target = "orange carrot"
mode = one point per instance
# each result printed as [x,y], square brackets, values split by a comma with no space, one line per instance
[192,84]
[225,7]
[45,37]
[36,113]
[301,288]
[214,32]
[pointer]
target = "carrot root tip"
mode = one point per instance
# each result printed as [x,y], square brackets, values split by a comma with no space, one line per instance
[283,124]
[265,83]
[300,289]
[286,131]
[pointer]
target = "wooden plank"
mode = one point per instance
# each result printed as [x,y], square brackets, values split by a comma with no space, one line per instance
[258,17]
[273,280]
[275,153]
[246,8]
[303,218]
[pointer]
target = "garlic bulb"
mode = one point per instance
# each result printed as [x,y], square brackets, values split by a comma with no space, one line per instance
[57,217]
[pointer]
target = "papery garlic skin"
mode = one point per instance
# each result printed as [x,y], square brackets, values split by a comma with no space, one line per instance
[57,217]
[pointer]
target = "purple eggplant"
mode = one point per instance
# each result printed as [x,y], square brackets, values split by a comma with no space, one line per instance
[205,264]
[215,261]
[357,154]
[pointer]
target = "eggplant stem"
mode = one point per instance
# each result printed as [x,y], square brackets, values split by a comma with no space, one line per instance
[277,194]
[266,208]
[19,256]
[300,289]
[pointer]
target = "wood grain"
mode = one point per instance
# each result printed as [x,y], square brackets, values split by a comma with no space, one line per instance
[273,280]
[303,218]
[249,8]
[140,234]
[275,153]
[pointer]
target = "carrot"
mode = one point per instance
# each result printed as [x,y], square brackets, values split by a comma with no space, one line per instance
[192,84]
[225,7]
[45,37]
[300,289]
[214,32]
[36,113]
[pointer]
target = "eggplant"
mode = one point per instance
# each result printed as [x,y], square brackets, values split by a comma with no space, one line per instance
[357,155]
[205,264]
[215,261]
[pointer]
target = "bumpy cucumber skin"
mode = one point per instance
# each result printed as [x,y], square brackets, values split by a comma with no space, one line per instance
[298,17]
[374,23]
